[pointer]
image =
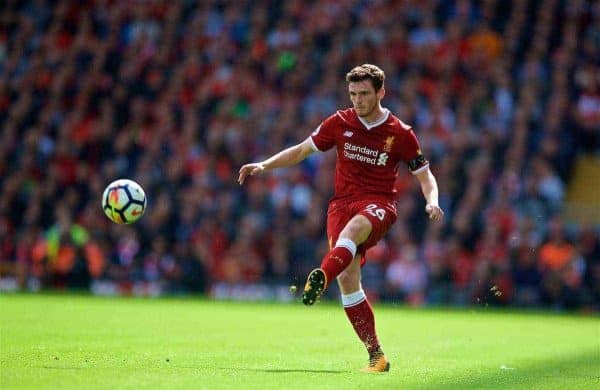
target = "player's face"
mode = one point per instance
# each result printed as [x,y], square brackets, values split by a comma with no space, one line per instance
[364,98]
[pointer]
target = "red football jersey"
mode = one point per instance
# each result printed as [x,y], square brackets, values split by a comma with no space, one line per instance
[369,155]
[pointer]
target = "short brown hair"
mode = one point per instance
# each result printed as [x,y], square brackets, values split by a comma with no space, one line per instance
[367,72]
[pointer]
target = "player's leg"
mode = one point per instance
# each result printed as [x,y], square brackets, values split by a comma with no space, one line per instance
[360,314]
[354,233]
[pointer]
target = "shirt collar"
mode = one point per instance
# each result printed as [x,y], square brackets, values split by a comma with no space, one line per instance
[369,126]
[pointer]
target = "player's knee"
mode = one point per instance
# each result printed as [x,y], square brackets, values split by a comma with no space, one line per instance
[358,229]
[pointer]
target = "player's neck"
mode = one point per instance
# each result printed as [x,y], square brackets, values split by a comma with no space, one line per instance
[375,116]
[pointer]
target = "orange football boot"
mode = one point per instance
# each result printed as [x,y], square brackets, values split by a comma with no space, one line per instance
[377,363]
[315,285]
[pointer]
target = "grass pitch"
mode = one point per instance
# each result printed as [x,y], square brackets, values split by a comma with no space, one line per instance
[70,341]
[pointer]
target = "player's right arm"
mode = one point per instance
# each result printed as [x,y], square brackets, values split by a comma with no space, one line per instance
[286,158]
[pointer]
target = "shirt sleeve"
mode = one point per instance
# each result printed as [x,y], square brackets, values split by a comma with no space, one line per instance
[411,153]
[323,138]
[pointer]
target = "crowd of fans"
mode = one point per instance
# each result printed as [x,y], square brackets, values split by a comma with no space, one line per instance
[177,95]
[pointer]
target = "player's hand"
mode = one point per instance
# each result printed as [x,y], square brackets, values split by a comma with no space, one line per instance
[435,212]
[250,170]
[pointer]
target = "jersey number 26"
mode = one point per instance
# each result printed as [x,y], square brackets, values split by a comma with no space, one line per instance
[374,211]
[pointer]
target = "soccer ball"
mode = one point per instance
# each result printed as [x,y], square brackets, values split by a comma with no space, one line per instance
[124,201]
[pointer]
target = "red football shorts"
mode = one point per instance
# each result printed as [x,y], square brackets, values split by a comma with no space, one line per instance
[381,213]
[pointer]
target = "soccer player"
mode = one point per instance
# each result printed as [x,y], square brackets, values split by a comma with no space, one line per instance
[370,143]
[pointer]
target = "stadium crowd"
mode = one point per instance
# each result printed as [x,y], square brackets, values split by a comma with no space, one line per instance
[177,95]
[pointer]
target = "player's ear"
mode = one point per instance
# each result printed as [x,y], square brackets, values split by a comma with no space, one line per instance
[381,93]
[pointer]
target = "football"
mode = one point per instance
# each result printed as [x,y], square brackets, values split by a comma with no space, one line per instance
[124,201]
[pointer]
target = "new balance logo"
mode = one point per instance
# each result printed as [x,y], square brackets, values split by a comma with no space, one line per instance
[348,133]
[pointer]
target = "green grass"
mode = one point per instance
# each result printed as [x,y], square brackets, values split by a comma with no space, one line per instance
[70,341]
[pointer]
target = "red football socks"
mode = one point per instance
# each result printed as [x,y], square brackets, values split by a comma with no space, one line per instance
[356,306]
[335,262]
[361,316]
[338,258]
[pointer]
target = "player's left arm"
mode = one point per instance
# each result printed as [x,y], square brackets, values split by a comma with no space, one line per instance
[430,191]
[419,167]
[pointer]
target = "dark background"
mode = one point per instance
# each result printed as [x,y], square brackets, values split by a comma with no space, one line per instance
[177,95]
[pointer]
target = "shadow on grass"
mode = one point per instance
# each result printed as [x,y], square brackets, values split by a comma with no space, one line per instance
[284,370]
[267,370]
[571,371]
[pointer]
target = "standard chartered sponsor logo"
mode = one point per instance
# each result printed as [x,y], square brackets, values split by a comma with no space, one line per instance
[364,154]
[359,157]
[361,149]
